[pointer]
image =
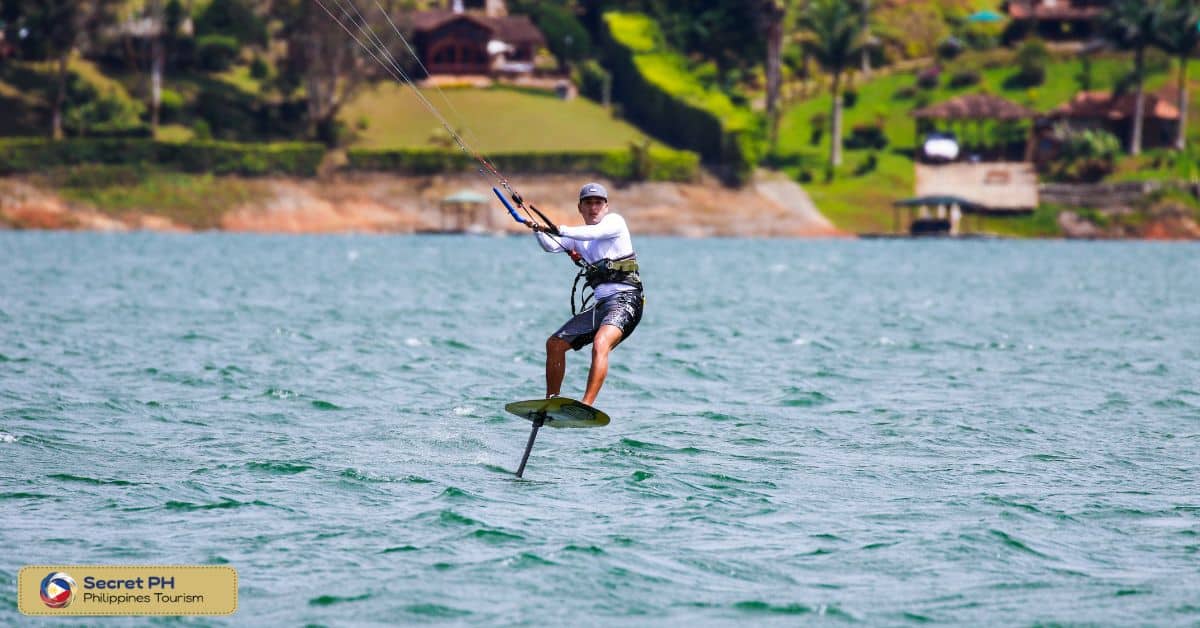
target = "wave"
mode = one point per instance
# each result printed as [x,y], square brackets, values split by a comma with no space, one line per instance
[66,477]
[224,504]
[279,467]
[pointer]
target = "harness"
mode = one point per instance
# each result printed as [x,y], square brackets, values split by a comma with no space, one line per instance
[621,270]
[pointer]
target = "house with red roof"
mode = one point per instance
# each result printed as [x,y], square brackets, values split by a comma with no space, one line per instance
[475,38]
[1115,114]
[1057,19]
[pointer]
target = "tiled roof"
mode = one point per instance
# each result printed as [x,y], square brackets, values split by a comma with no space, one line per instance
[512,29]
[1060,10]
[975,107]
[1101,104]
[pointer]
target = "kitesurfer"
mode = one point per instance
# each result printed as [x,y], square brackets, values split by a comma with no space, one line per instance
[604,249]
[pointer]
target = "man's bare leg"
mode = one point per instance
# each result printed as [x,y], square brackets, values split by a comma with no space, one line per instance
[556,364]
[606,338]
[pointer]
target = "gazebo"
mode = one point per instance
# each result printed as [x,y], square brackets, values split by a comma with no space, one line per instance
[463,207]
[976,108]
[949,210]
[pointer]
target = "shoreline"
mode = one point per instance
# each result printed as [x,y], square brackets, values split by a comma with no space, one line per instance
[771,206]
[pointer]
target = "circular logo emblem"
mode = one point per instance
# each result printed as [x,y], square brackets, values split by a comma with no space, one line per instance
[57,590]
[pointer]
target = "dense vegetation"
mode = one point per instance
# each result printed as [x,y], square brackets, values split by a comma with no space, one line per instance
[818,88]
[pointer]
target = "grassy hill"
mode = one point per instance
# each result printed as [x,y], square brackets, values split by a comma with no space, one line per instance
[859,198]
[490,120]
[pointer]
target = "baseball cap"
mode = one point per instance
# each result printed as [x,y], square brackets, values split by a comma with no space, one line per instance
[593,189]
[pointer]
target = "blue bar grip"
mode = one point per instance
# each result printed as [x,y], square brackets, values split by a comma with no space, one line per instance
[517,217]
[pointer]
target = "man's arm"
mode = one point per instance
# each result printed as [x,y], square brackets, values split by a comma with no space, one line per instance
[610,227]
[549,244]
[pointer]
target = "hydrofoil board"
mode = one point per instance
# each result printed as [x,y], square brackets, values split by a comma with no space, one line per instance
[559,412]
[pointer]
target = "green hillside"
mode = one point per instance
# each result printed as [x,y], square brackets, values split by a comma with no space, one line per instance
[859,198]
[490,120]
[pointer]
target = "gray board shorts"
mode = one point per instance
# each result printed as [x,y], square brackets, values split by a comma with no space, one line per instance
[622,310]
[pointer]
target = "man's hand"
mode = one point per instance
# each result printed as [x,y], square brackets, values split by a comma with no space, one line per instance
[542,228]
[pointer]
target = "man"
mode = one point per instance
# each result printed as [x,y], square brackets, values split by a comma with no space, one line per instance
[612,273]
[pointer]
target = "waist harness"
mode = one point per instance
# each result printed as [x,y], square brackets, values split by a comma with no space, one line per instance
[621,270]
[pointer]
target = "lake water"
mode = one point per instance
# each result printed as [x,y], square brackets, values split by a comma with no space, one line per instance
[842,432]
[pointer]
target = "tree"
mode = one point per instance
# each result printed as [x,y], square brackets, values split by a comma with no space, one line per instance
[1130,25]
[834,37]
[62,26]
[158,54]
[233,18]
[866,24]
[771,15]
[1178,34]
[725,31]
[326,60]
[566,38]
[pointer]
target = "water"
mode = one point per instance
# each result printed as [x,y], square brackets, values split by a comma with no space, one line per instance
[878,433]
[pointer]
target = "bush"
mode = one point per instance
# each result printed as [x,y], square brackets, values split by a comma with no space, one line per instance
[1085,156]
[170,105]
[673,165]
[849,98]
[201,130]
[866,136]
[566,38]
[928,78]
[591,77]
[1032,58]
[868,165]
[1031,76]
[259,70]
[284,158]
[109,114]
[950,48]
[635,163]
[216,53]
[229,113]
[964,78]
[233,18]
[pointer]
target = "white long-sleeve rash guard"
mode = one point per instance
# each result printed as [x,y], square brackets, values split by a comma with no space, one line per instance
[608,238]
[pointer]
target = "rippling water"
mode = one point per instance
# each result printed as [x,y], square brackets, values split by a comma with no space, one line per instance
[847,432]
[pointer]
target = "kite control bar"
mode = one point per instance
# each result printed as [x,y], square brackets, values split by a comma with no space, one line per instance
[550,228]
[517,217]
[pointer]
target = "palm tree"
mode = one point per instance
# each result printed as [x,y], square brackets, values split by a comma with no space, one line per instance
[866,24]
[157,12]
[770,15]
[1178,34]
[834,30]
[1130,24]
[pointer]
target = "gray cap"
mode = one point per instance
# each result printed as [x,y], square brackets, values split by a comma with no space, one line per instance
[593,189]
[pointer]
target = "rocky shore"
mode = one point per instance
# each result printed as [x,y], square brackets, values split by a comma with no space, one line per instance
[772,206]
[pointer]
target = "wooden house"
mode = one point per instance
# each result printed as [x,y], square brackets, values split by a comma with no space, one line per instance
[1057,19]
[477,38]
[1115,114]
